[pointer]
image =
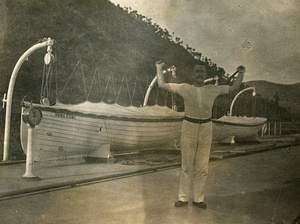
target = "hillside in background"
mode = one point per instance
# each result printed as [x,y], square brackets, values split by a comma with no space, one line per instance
[276,102]
[286,96]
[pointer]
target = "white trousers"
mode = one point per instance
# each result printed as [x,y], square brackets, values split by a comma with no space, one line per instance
[195,151]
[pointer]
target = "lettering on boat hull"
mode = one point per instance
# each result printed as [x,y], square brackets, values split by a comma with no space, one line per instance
[67,116]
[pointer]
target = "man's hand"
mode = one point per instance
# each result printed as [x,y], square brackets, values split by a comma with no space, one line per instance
[241,69]
[159,65]
[239,79]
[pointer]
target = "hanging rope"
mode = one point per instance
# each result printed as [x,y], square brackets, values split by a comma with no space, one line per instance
[43,82]
[46,82]
[50,80]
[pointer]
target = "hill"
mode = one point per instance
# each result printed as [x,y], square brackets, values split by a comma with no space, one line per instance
[287,96]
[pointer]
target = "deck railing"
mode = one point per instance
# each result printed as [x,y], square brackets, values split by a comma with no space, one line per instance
[280,128]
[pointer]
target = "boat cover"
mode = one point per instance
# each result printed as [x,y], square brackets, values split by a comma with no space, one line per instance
[102,108]
[242,120]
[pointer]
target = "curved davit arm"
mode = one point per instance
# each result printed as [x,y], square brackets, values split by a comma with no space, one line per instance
[45,43]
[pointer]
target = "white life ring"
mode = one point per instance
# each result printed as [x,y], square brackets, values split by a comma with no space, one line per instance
[264,129]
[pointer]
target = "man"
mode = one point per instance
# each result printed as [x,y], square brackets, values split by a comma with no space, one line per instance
[196,132]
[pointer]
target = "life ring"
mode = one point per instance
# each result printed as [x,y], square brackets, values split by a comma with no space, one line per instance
[45,101]
[264,129]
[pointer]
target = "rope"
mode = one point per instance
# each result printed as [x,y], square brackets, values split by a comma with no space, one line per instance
[84,84]
[120,89]
[106,86]
[2,59]
[43,81]
[137,80]
[50,80]
[112,77]
[91,84]
[133,92]
[124,79]
[46,81]
[99,82]
[69,78]
[100,86]
[128,91]
[29,46]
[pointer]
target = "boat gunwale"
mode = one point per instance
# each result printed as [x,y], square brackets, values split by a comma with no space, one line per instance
[238,124]
[138,118]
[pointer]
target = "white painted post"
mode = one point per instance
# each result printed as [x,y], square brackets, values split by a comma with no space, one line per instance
[48,42]
[29,155]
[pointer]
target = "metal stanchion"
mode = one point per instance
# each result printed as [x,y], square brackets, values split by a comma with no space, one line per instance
[31,116]
[29,156]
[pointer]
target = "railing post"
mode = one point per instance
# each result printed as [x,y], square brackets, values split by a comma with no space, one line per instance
[279,128]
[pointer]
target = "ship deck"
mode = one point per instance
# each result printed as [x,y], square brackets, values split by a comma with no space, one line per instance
[232,168]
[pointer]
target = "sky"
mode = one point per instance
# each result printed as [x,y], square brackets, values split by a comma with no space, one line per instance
[262,35]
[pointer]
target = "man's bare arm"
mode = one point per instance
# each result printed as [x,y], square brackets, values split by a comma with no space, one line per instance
[160,77]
